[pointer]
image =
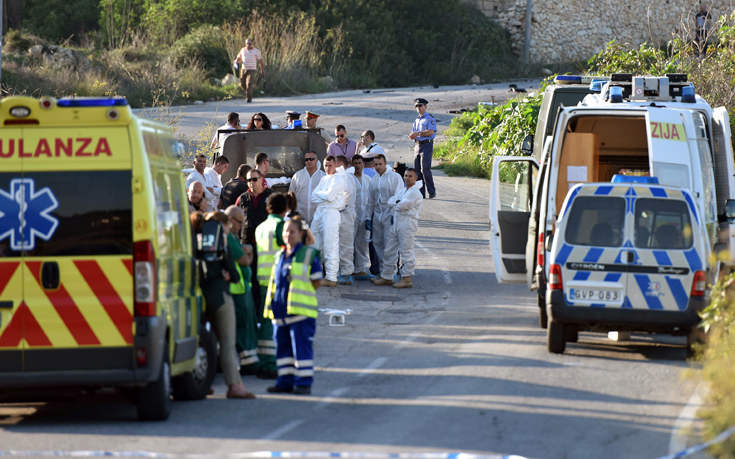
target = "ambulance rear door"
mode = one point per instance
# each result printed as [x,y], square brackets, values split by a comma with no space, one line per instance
[668,149]
[78,284]
[12,307]
[511,198]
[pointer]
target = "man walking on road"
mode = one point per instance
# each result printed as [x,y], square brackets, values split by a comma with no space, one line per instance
[423,134]
[303,184]
[250,58]
[383,186]
[342,146]
[329,195]
[406,205]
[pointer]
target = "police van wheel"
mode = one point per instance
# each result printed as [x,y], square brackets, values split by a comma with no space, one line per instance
[196,384]
[555,338]
[154,399]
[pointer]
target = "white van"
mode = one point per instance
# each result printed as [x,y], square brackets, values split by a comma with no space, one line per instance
[627,256]
[645,126]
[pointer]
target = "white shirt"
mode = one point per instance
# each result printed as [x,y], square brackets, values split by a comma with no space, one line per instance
[221,137]
[373,150]
[206,181]
[303,185]
[213,177]
[362,194]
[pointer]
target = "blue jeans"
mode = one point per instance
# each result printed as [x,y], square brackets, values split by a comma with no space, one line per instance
[422,154]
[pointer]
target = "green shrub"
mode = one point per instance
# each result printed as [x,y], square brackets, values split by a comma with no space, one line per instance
[204,45]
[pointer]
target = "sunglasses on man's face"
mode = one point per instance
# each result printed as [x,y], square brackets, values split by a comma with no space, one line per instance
[253,179]
[340,135]
[309,159]
[418,105]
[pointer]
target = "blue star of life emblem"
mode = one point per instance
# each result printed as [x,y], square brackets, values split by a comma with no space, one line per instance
[25,214]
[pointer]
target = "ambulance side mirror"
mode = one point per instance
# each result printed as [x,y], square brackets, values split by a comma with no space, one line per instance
[527,145]
[730,210]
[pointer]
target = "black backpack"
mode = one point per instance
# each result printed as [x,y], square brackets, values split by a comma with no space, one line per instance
[211,249]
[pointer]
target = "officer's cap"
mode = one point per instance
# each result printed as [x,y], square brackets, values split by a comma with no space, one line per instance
[420,100]
[311,114]
[293,114]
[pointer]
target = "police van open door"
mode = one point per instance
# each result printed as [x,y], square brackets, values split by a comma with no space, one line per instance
[511,197]
[724,173]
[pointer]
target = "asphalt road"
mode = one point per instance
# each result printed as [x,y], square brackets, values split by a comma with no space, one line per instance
[458,363]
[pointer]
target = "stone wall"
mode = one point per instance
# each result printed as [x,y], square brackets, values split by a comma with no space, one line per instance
[573,30]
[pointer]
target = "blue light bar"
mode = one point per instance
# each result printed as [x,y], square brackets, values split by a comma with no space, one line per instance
[687,94]
[618,178]
[616,94]
[568,79]
[596,85]
[92,102]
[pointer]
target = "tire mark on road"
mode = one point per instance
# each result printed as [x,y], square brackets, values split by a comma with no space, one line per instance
[283,430]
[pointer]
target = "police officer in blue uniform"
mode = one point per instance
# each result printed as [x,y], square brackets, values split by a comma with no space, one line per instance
[423,134]
[293,120]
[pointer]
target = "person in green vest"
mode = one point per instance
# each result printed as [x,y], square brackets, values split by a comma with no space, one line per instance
[269,237]
[242,295]
[291,304]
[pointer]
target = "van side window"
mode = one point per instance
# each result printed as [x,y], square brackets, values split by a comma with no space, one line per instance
[662,224]
[596,221]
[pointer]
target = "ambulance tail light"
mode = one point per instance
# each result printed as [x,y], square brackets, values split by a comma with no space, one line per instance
[144,269]
[540,250]
[700,284]
[555,277]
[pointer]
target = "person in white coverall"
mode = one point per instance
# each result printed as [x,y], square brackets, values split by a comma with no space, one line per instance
[329,196]
[382,187]
[406,205]
[353,192]
[303,184]
[362,253]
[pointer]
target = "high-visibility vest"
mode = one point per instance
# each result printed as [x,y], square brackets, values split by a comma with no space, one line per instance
[301,294]
[239,288]
[266,238]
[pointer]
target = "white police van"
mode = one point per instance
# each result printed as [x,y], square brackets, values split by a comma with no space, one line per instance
[653,126]
[629,255]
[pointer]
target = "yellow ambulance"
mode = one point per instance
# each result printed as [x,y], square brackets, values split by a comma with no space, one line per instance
[98,279]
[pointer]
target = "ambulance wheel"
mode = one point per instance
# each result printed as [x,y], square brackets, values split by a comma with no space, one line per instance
[555,339]
[154,399]
[543,319]
[195,385]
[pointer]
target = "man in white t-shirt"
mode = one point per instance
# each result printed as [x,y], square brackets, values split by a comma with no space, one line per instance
[233,123]
[250,58]
[370,149]
[213,176]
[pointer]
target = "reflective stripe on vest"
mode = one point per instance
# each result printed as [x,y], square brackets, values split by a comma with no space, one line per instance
[301,294]
[267,250]
[239,288]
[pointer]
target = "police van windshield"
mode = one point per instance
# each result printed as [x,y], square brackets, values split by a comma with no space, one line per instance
[596,221]
[662,224]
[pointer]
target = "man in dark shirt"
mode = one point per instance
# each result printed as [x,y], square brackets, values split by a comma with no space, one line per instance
[252,203]
[235,187]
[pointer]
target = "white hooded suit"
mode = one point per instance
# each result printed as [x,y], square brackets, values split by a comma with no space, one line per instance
[406,205]
[382,188]
[329,196]
[362,253]
[353,189]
